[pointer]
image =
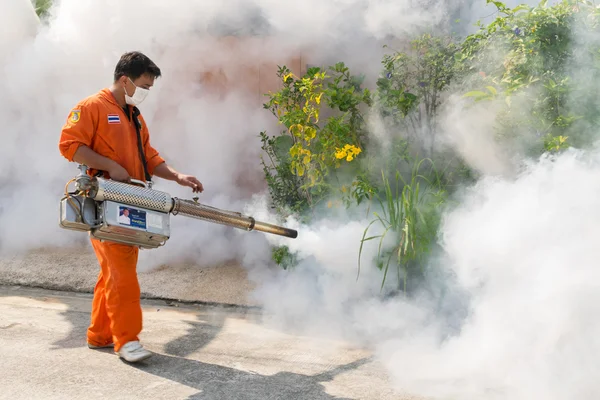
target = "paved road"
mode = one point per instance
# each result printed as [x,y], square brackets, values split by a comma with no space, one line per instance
[200,353]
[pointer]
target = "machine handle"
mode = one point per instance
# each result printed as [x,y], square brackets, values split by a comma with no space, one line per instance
[138,182]
[83,178]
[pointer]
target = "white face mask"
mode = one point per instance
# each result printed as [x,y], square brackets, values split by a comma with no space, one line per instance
[138,96]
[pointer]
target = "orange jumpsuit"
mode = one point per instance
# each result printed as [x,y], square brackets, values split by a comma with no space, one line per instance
[101,124]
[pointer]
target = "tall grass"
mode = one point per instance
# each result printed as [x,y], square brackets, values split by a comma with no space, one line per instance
[410,211]
[42,7]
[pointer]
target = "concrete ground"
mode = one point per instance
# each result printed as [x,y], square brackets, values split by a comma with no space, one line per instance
[200,353]
[76,269]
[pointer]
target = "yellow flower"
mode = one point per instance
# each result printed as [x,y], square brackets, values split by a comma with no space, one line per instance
[340,154]
[348,152]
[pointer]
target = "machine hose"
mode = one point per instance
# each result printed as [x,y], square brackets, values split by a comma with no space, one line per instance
[69,197]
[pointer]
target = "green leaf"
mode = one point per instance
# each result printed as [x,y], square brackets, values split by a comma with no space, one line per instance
[475,93]
[282,145]
[520,8]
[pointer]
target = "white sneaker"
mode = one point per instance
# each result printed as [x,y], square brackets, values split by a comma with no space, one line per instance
[133,352]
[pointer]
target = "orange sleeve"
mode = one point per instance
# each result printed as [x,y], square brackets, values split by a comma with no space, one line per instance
[79,129]
[153,158]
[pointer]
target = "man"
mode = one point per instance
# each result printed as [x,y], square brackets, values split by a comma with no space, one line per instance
[124,217]
[101,133]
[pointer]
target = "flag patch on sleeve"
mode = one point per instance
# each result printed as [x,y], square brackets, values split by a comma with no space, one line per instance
[114,119]
[75,116]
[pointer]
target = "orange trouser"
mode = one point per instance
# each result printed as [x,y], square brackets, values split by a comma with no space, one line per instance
[116,308]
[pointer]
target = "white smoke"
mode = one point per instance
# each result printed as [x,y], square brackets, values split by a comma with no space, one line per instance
[522,291]
[516,320]
[470,132]
[13,34]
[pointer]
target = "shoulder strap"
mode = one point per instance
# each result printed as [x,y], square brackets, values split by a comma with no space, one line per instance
[136,121]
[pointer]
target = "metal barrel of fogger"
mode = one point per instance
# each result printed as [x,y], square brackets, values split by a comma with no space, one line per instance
[104,189]
[237,220]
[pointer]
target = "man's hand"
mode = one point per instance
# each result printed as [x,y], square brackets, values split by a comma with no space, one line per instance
[166,172]
[191,181]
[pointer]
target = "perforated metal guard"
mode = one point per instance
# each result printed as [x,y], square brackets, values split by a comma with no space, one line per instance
[132,195]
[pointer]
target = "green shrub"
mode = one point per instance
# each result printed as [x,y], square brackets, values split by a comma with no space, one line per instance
[324,132]
[412,88]
[283,257]
[530,58]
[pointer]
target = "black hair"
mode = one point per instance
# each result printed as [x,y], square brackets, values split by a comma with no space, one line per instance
[134,64]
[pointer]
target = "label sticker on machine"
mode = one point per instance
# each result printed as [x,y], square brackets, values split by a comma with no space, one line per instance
[131,217]
[155,221]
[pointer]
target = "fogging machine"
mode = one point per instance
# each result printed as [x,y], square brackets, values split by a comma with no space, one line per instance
[135,214]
